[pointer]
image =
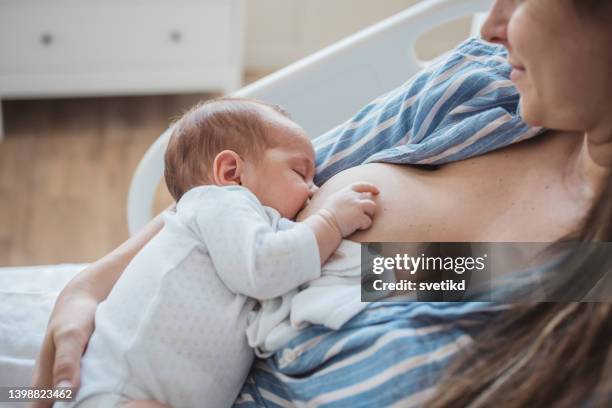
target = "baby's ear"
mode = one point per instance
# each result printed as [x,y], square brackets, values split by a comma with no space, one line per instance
[227,168]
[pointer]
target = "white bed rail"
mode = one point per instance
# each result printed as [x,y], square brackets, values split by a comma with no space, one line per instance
[327,87]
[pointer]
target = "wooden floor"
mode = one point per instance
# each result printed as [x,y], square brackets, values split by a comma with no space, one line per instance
[65,169]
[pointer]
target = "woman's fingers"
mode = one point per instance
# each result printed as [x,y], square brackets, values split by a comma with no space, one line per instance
[364,187]
[59,362]
[69,347]
[43,377]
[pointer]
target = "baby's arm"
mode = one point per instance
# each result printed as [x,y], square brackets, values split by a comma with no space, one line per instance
[345,212]
[253,258]
[249,254]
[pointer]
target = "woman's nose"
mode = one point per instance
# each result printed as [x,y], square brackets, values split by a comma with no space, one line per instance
[495,27]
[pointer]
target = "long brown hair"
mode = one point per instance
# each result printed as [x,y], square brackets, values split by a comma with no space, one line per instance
[546,354]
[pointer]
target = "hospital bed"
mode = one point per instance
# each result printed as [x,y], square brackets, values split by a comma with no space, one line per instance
[320,91]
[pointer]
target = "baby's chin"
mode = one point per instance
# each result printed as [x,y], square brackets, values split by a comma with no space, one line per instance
[302,214]
[309,208]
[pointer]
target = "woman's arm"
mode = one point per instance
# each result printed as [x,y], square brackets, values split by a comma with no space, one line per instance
[72,320]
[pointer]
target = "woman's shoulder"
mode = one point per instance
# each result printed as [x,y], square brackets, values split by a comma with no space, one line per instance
[462,104]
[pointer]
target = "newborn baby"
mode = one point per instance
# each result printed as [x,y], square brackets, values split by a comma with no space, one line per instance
[173,327]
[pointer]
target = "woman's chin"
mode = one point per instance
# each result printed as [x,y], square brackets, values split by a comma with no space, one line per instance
[528,114]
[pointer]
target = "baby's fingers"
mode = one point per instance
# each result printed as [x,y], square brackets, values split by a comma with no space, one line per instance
[365,222]
[364,187]
[369,207]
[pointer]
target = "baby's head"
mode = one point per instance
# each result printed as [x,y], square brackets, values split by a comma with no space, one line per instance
[235,141]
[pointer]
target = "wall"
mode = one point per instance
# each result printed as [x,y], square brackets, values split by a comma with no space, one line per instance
[281,31]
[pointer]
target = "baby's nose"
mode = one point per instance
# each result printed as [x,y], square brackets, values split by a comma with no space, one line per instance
[313,189]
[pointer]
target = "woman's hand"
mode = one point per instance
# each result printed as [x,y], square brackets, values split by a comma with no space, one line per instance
[351,208]
[70,327]
[72,320]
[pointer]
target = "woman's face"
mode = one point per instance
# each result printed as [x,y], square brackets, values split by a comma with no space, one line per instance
[562,61]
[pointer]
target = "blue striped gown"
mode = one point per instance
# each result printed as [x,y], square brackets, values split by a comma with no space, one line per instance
[392,354]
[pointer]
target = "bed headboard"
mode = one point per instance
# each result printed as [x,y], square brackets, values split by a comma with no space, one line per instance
[327,87]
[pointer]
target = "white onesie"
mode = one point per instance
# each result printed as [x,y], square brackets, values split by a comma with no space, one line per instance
[173,327]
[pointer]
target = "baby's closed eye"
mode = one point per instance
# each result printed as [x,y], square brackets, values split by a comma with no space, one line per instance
[301,173]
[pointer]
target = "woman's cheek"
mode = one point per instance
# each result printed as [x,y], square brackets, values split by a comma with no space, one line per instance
[524,33]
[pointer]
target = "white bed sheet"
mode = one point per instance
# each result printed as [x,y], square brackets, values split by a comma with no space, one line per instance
[27,295]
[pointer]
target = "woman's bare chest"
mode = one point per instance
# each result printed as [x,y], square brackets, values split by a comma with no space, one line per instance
[512,195]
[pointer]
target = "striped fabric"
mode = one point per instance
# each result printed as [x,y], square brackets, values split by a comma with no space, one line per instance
[461,106]
[392,354]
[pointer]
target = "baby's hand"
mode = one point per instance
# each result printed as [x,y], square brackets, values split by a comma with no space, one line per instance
[351,208]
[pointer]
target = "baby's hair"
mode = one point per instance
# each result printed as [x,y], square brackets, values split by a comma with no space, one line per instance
[206,130]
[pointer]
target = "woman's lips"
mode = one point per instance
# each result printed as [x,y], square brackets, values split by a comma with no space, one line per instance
[517,72]
[517,69]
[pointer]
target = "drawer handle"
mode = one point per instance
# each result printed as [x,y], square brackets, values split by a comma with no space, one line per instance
[46,39]
[176,36]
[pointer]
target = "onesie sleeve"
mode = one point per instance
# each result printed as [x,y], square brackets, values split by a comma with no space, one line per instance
[249,253]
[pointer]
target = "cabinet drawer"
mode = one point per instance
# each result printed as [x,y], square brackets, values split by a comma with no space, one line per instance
[125,37]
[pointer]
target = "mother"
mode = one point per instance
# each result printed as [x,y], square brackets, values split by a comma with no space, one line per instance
[544,189]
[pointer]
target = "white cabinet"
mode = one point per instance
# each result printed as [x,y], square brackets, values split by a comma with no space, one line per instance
[116,47]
